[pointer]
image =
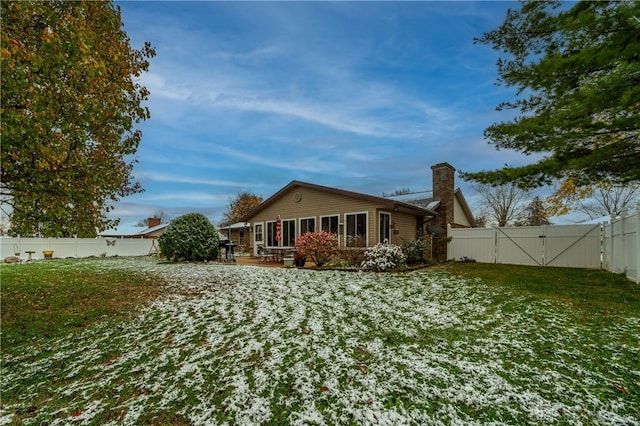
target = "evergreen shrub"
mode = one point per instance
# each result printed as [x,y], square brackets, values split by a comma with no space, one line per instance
[190,237]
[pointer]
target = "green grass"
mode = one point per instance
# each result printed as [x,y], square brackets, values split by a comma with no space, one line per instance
[42,300]
[591,294]
[456,343]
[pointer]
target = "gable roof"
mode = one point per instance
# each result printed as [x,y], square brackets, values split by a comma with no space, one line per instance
[384,202]
[465,206]
[431,204]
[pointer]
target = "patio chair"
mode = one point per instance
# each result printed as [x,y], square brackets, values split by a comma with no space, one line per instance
[264,255]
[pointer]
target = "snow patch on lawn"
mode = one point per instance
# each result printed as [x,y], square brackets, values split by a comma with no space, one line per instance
[248,345]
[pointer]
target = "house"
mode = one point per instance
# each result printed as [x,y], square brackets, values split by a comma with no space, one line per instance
[154,230]
[238,233]
[360,220]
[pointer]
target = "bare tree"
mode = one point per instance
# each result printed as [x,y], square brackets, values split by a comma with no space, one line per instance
[160,214]
[610,200]
[503,204]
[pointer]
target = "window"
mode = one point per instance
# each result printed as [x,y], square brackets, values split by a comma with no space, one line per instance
[385,227]
[241,237]
[356,229]
[271,234]
[257,229]
[288,232]
[307,225]
[329,224]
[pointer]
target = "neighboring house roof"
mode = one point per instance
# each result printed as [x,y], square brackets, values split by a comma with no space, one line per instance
[133,231]
[384,202]
[431,204]
[413,199]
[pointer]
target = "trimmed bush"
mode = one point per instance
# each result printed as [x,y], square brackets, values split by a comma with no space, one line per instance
[190,237]
[383,257]
[318,246]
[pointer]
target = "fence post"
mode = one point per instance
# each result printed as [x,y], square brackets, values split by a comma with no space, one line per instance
[448,243]
[543,229]
[612,244]
[495,244]
[637,253]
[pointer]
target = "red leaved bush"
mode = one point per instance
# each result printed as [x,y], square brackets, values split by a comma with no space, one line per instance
[319,246]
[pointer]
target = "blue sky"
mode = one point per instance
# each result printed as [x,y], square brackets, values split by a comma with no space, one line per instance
[363,96]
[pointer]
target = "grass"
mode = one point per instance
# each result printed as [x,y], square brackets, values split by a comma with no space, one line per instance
[226,344]
[591,294]
[51,299]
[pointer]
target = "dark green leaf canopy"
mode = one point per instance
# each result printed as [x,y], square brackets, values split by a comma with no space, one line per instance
[577,75]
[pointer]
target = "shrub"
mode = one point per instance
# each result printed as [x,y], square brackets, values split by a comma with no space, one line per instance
[190,237]
[415,250]
[352,256]
[318,246]
[383,257]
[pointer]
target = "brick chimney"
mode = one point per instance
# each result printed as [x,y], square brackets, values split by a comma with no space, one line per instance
[153,221]
[443,191]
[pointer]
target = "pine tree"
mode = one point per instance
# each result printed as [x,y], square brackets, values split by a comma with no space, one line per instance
[577,75]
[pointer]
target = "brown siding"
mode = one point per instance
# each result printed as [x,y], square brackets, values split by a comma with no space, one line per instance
[235,238]
[405,225]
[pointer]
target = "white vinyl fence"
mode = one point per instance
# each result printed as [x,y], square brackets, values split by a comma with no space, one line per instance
[621,245]
[613,246]
[76,247]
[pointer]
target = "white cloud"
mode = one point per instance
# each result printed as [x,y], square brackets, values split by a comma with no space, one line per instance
[159,177]
[249,96]
[189,196]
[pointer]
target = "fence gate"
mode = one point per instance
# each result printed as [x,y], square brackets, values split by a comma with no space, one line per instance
[520,245]
[574,246]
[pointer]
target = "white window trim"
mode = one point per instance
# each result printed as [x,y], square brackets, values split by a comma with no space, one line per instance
[256,242]
[366,213]
[266,233]
[337,215]
[380,213]
[315,224]
[295,230]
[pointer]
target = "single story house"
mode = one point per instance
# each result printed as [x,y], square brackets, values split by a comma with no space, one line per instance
[360,220]
[153,230]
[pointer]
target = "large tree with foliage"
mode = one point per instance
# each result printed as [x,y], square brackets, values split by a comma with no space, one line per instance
[239,206]
[70,101]
[577,74]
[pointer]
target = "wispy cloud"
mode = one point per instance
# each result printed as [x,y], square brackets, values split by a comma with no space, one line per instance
[159,177]
[190,196]
[365,96]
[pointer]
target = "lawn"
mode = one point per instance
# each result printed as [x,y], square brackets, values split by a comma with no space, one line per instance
[228,344]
